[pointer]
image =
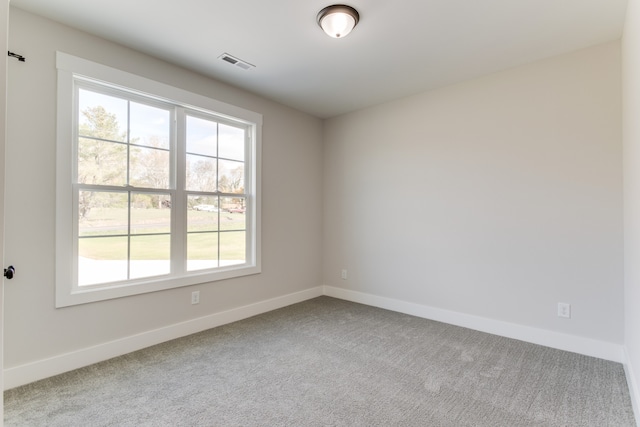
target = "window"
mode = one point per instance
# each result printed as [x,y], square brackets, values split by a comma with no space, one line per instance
[156,187]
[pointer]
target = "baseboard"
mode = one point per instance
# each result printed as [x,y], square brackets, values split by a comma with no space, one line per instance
[634,391]
[30,372]
[575,344]
[34,371]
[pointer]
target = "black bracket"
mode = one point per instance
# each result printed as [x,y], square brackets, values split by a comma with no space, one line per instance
[18,57]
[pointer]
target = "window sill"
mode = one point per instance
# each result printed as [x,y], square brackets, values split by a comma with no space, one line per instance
[89,294]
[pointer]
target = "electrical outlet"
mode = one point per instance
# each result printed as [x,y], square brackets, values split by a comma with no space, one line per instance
[564,310]
[344,274]
[195,297]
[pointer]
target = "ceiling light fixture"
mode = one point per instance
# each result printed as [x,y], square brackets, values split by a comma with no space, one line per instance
[338,20]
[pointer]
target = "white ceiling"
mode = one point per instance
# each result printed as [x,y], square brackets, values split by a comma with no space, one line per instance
[399,48]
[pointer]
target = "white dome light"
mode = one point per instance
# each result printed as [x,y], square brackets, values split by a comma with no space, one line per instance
[338,20]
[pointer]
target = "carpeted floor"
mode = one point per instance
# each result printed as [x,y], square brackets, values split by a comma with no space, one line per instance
[327,362]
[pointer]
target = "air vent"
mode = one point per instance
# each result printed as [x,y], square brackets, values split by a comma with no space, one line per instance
[236,61]
[229,59]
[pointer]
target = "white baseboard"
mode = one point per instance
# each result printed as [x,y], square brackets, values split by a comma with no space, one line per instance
[634,391]
[40,369]
[30,372]
[575,344]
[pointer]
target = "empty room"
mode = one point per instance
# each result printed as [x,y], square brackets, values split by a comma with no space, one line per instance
[300,213]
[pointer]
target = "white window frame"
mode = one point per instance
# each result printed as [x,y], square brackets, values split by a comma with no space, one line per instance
[68,292]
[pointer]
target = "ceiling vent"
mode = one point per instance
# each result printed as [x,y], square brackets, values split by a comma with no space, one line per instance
[236,61]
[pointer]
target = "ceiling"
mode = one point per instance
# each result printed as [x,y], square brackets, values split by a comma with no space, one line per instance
[399,48]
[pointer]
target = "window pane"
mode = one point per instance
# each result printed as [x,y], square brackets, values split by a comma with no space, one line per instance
[202,213]
[150,168]
[202,136]
[232,248]
[202,251]
[150,256]
[230,176]
[150,126]
[102,116]
[231,143]
[101,162]
[201,173]
[102,260]
[150,213]
[102,213]
[233,213]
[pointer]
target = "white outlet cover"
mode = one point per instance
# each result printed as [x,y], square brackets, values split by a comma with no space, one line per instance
[564,310]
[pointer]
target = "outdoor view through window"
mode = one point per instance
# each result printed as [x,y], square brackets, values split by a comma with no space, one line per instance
[159,189]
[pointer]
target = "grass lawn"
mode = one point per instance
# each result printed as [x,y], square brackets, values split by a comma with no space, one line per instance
[103,224]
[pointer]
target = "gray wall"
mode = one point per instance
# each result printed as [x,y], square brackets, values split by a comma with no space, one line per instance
[631,126]
[4,33]
[291,177]
[497,197]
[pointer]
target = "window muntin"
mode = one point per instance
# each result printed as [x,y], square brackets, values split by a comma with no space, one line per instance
[122,144]
[216,226]
[131,204]
[126,234]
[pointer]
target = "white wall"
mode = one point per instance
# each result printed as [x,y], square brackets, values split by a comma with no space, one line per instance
[291,177]
[495,198]
[631,135]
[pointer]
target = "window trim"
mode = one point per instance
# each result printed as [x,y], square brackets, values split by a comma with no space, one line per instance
[71,67]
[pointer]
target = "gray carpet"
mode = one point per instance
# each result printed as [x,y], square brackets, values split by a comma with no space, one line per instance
[327,362]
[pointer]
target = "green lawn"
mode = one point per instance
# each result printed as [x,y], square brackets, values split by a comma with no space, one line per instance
[102,224]
[110,221]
